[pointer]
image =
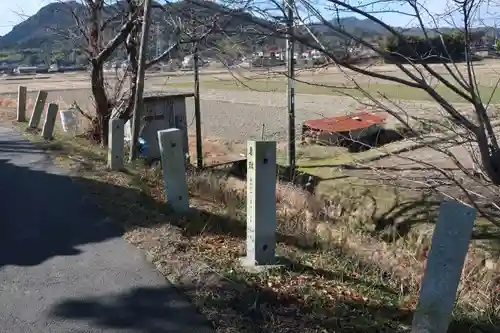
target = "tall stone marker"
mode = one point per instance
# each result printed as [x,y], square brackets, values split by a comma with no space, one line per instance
[21,104]
[450,243]
[50,121]
[36,115]
[261,204]
[116,143]
[174,169]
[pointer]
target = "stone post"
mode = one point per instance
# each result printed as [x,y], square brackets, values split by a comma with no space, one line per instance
[36,115]
[174,169]
[50,121]
[450,243]
[261,204]
[21,104]
[116,142]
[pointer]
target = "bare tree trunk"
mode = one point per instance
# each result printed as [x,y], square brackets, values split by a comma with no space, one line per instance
[93,25]
[131,46]
[489,158]
[103,111]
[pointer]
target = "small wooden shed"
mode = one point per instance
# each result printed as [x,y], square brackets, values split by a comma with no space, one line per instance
[162,110]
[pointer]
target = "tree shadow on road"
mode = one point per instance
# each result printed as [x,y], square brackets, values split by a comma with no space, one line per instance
[46,215]
[146,309]
[7,147]
[43,213]
[242,307]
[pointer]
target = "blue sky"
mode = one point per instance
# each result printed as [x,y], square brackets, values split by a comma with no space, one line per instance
[15,11]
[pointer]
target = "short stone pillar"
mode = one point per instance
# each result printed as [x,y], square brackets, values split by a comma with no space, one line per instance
[50,121]
[116,142]
[450,243]
[36,115]
[21,104]
[174,169]
[261,204]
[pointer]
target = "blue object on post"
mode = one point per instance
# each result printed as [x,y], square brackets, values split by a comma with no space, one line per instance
[143,147]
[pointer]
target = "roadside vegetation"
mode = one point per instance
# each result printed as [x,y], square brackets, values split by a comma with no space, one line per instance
[353,256]
[354,251]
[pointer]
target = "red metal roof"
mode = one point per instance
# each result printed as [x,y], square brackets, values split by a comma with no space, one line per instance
[351,122]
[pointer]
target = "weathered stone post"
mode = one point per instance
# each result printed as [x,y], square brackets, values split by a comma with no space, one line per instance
[116,144]
[21,104]
[174,169]
[36,115]
[261,204]
[50,121]
[450,243]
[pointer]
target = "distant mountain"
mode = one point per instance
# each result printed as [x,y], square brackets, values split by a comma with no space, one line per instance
[43,29]
[53,26]
[352,24]
[366,27]
[53,29]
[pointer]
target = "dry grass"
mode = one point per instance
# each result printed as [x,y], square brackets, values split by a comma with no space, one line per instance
[344,272]
[356,253]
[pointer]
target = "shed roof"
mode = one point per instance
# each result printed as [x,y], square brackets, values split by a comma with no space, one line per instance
[346,123]
[163,95]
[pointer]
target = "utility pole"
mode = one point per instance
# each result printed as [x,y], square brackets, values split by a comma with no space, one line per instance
[291,86]
[158,41]
[138,101]
[197,115]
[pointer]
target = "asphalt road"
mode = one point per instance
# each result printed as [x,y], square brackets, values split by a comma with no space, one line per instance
[64,268]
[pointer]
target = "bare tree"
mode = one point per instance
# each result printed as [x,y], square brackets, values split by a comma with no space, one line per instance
[95,31]
[183,30]
[442,72]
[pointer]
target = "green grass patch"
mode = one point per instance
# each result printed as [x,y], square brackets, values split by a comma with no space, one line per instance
[10,57]
[391,91]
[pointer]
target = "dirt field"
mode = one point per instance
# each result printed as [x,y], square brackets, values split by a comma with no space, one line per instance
[239,115]
[486,73]
[229,114]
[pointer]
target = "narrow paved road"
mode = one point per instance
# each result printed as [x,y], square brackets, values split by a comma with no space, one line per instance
[63,268]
